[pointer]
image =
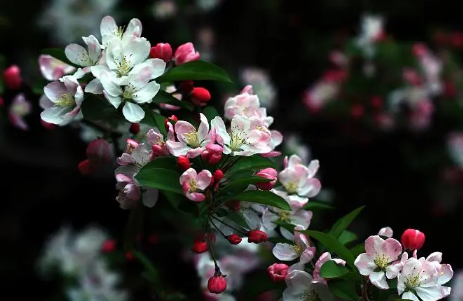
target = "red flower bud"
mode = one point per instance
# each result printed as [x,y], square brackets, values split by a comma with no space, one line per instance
[278,272]
[218,175]
[234,239]
[267,173]
[183,162]
[99,151]
[134,128]
[412,239]
[257,236]
[108,246]
[217,284]
[12,77]
[161,51]
[200,96]
[172,119]
[212,154]
[129,256]
[199,247]
[187,86]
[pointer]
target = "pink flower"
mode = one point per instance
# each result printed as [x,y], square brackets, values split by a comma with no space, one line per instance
[321,260]
[193,182]
[186,53]
[19,108]
[299,179]
[301,285]
[52,68]
[191,142]
[157,141]
[377,261]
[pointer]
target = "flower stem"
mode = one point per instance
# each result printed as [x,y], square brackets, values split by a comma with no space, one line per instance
[228,225]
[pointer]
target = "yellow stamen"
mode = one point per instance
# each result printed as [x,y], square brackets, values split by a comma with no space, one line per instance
[65,100]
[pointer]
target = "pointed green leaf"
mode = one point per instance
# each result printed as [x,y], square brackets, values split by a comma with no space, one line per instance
[262,197]
[331,270]
[195,70]
[164,97]
[210,112]
[344,222]
[313,205]
[358,249]
[251,163]
[239,185]
[96,108]
[238,219]
[58,53]
[155,175]
[156,120]
[347,237]
[332,245]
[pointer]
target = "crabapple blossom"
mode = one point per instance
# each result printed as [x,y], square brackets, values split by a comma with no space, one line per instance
[191,142]
[157,141]
[62,100]
[246,104]
[212,154]
[84,57]
[185,53]
[261,84]
[109,30]
[299,179]
[246,136]
[19,108]
[378,261]
[386,232]
[420,278]
[301,286]
[52,68]
[300,249]
[444,271]
[320,261]
[193,182]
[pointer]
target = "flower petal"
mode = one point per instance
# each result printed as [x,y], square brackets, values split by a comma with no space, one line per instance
[77,55]
[133,112]
[285,252]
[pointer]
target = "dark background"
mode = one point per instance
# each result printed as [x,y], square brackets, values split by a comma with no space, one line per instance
[42,189]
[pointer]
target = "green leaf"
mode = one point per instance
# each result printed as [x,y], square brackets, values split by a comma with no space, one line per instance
[312,205]
[332,270]
[344,222]
[358,249]
[333,245]
[156,175]
[152,272]
[241,184]
[238,219]
[164,97]
[262,197]
[285,225]
[58,53]
[347,237]
[189,207]
[253,162]
[156,120]
[344,289]
[210,112]
[195,70]
[95,108]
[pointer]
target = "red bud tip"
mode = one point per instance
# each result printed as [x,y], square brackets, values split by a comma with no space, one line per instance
[183,162]
[172,119]
[277,272]
[257,236]
[12,77]
[217,284]
[234,239]
[161,51]
[200,96]
[108,246]
[267,173]
[199,247]
[412,239]
[134,128]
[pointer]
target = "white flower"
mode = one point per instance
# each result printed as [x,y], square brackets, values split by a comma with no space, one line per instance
[109,31]
[298,179]
[301,287]
[62,100]
[122,58]
[81,56]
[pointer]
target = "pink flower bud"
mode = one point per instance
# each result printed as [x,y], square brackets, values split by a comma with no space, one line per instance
[186,53]
[183,162]
[108,246]
[267,173]
[12,77]
[218,175]
[134,128]
[187,86]
[212,154]
[412,239]
[217,284]
[161,51]
[200,96]
[99,151]
[277,272]
[234,239]
[199,247]
[257,236]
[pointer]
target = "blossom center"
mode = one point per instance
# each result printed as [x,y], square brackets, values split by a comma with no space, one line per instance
[284,216]
[120,32]
[192,138]
[413,281]
[381,261]
[290,187]
[123,67]
[297,249]
[65,100]
[193,185]
[309,296]
[237,139]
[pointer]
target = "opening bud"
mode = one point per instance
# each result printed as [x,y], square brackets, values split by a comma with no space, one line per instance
[267,173]
[234,239]
[172,119]
[412,239]
[277,272]
[217,284]
[257,236]
[186,53]
[183,162]
[161,51]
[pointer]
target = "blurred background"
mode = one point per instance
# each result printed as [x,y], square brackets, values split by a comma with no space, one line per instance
[372,89]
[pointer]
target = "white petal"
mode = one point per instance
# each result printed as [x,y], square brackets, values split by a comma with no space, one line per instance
[94,87]
[78,55]
[55,90]
[94,48]
[430,293]
[284,252]
[137,51]
[410,296]
[133,112]
[378,279]
[54,115]
[108,27]
[146,94]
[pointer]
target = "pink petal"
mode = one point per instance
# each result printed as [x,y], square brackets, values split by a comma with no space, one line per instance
[203,179]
